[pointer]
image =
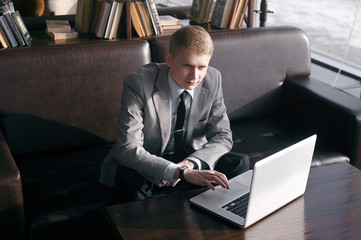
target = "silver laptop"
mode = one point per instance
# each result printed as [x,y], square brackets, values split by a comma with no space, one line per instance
[274,181]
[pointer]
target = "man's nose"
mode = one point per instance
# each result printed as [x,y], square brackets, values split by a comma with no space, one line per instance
[195,73]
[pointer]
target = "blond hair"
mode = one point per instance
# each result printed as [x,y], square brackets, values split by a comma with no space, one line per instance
[194,38]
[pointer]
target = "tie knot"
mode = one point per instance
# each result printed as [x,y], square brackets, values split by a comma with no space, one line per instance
[182,95]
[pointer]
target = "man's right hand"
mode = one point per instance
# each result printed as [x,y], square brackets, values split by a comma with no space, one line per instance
[202,178]
[206,178]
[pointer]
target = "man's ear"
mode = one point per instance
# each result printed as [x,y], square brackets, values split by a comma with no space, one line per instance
[168,58]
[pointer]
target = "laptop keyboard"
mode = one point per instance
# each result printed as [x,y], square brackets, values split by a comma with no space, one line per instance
[238,206]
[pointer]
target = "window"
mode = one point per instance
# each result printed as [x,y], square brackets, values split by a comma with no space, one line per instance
[334,30]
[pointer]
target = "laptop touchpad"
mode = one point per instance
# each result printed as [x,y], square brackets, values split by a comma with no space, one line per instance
[236,188]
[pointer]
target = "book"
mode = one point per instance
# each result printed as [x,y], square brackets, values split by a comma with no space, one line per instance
[169,29]
[168,20]
[233,12]
[83,15]
[22,28]
[136,20]
[103,18]
[153,12]
[9,3]
[145,17]
[3,40]
[210,10]
[240,24]
[169,24]
[95,11]
[198,11]
[222,13]
[116,22]
[62,26]
[110,19]
[60,29]
[7,14]
[8,33]
[238,15]
[63,35]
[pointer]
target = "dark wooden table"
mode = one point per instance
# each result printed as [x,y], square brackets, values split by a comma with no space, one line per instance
[330,209]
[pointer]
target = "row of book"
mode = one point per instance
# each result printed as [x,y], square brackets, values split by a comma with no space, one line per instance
[103,17]
[93,16]
[147,22]
[13,32]
[220,13]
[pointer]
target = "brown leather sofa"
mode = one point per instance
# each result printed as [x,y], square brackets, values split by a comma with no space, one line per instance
[59,107]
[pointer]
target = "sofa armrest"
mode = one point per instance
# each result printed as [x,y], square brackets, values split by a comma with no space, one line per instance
[334,115]
[12,219]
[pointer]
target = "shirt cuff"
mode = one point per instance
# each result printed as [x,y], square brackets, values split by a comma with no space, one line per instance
[197,163]
[169,172]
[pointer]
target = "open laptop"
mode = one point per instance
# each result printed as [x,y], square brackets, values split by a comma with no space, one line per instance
[274,181]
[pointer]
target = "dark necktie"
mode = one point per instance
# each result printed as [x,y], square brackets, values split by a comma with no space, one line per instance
[179,126]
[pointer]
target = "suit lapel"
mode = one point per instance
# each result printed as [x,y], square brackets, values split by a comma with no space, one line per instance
[162,104]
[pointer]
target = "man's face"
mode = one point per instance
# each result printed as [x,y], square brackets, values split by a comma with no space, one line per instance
[187,68]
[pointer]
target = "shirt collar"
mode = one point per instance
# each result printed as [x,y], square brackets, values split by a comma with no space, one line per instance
[175,90]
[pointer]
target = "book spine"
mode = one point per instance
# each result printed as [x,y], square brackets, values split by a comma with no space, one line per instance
[222,13]
[14,29]
[147,3]
[243,14]
[4,41]
[232,19]
[137,22]
[8,33]
[116,22]
[110,19]
[154,12]
[218,14]
[212,11]
[102,21]
[22,28]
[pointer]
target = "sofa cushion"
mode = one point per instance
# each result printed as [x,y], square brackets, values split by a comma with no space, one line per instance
[263,137]
[63,188]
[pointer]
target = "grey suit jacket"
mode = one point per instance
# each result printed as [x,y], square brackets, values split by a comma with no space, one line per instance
[145,123]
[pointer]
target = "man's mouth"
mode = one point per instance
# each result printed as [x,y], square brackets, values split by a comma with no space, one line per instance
[192,82]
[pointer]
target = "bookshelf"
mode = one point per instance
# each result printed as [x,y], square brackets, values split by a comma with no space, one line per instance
[128,22]
[36,25]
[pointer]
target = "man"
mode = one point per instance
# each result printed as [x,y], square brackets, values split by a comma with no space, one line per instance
[157,146]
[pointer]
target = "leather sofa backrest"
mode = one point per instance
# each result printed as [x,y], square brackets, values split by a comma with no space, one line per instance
[65,96]
[253,63]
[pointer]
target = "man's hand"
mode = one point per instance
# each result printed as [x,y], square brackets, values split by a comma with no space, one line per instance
[206,178]
[202,177]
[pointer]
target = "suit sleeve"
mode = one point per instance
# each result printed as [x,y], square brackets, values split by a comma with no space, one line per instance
[129,149]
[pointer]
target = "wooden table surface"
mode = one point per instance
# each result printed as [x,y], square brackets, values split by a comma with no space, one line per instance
[329,209]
